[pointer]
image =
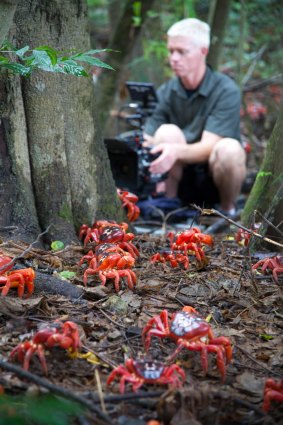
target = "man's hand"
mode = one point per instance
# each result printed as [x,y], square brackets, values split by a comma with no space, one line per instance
[147,140]
[168,157]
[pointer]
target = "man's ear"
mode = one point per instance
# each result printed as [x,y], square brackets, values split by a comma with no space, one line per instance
[204,51]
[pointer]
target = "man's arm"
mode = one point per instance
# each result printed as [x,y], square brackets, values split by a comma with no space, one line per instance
[186,153]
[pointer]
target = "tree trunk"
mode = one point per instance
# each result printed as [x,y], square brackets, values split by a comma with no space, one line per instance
[60,165]
[267,192]
[218,23]
[7,11]
[123,41]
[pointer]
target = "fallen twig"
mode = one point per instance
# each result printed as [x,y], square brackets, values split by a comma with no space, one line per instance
[26,250]
[55,389]
[269,222]
[205,211]
[123,397]
[256,362]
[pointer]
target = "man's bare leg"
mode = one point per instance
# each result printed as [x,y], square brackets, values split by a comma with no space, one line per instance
[227,163]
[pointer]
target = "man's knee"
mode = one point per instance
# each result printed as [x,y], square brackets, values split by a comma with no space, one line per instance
[169,133]
[227,153]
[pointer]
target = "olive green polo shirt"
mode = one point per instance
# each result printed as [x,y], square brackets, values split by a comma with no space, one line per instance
[214,106]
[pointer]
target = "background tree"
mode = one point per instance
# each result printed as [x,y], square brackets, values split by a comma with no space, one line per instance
[123,40]
[7,11]
[54,166]
[267,193]
[217,19]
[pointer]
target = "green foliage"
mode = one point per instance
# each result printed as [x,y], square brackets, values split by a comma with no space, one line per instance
[44,410]
[66,274]
[261,22]
[57,245]
[266,337]
[257,54]
[264,174]
[136,13]
[24,61]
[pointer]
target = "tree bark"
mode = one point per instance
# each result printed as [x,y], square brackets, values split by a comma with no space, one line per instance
[55,143]
[267,192]
[218,24]
[7,11]
[123,41]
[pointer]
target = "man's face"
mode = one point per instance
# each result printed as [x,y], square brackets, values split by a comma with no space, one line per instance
[185,57]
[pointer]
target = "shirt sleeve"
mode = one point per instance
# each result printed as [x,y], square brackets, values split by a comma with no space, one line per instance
[224,119]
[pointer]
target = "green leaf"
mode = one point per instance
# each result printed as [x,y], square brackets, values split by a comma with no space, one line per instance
[137,8]
[41,60]
[8,46]
[71,67]
[43,410]
[94,52]
[47,49]
[266,337]
[52,53]
[136,21]
[3,59]
[66,274]
[22,51]
[93,61]
[17,68]
[57,245]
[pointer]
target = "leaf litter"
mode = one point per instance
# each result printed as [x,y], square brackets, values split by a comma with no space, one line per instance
[241,305]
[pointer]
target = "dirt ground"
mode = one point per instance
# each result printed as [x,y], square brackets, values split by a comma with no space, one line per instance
[244,306]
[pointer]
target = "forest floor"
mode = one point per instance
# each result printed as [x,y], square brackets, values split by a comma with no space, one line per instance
[242,305]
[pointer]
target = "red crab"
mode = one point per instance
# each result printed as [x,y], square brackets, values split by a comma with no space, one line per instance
[110,261]
[4,261]
[273,390]
[92,233]
[112,234]
[18,279]
[93,258]
[273,263]
[190,240]
[128,201]
[139,372]
[115,274]
[189,331]
[172,258]
[63,335]
[243,237]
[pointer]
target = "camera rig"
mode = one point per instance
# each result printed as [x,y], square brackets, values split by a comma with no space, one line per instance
[129,160]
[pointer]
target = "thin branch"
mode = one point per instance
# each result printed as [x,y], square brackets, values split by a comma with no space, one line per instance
[205,211]
[55,389]
[260,84]
[12,262]
[253,64]
[269,222]
[110,318]
[8,228]
[123,397]
[257,362]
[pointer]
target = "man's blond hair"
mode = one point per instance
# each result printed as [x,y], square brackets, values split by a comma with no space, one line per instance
[198,31]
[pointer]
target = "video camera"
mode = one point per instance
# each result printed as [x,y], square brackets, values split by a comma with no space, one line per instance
[129,160]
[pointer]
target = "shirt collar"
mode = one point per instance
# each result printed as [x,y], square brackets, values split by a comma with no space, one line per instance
[205,87]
